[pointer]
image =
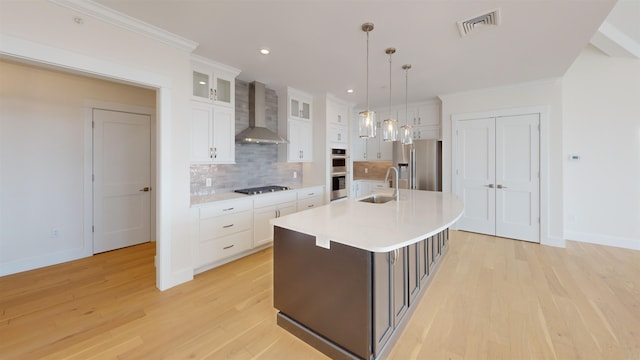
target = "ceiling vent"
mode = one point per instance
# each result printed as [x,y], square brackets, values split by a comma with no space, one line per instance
[484,21]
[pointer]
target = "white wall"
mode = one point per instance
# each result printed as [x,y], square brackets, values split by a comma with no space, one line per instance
[42,132]
[45,32]
[601,121]
[535,94]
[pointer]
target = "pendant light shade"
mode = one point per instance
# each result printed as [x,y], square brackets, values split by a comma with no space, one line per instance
[390,125]
[406,133]
[367,118]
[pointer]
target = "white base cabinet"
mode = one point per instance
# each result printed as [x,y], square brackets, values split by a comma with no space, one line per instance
[226,230]
[366,187]
[267,207]
[311,197]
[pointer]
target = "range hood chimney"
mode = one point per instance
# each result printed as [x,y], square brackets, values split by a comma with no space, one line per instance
[257,131]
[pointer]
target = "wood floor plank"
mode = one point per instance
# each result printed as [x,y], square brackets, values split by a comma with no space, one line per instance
[492,298]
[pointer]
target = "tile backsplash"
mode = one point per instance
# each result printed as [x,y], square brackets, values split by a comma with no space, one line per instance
[256,164]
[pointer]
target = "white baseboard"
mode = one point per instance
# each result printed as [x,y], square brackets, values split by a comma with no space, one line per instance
[32,263]
[175,278]
[553,241]
[621,242]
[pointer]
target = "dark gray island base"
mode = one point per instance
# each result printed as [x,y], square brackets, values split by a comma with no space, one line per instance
[347,302]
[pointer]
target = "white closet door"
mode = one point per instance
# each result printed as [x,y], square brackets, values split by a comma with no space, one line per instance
[498,176]
[476,174]
[518,177]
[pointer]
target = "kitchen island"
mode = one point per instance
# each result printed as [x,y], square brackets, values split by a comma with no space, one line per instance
[348,275]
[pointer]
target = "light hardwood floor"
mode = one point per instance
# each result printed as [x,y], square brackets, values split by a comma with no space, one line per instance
[492,298]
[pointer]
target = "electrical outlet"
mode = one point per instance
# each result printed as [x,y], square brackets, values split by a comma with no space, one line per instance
[295,174]
[366,170]
[207,182]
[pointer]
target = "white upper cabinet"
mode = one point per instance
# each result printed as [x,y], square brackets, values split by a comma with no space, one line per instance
[337,121]
[212,112]
[295,125]
[212,134]
[424,118]
[299,105]
[213,82]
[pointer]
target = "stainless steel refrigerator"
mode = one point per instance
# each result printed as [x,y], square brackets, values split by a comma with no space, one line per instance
[419,165]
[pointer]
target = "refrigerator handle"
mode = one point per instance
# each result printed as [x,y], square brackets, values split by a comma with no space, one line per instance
[412,167]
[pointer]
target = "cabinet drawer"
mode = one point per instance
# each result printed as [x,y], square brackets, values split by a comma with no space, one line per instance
[224,247]
[274,199]
[225,207]
[310,192]
[309,203]
[218,226]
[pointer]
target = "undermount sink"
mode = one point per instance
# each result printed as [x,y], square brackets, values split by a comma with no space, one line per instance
[378,199]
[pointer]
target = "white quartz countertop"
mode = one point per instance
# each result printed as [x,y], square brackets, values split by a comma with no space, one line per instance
[384,227]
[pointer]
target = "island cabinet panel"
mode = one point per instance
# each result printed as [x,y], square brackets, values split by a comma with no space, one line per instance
[383,319]
[326,290]
[414,271]
[347,302]
[400,285]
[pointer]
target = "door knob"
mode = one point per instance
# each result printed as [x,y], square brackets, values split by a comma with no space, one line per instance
[145,189]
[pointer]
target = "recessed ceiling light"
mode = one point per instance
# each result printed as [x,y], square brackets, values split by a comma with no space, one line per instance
[264,51]
[350,91]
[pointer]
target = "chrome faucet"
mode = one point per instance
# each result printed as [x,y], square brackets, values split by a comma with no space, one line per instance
[395,183]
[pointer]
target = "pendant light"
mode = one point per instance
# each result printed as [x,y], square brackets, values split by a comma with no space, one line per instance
[367,118]
[390,125]
[406,136]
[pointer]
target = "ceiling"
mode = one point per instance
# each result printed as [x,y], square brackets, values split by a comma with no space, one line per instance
[318,45]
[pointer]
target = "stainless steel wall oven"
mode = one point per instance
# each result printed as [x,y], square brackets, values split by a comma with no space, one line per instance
[339,171]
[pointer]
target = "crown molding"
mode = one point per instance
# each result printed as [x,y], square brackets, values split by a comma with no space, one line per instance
[127,22]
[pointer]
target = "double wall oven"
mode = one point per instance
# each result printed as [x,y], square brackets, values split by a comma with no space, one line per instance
[339,172]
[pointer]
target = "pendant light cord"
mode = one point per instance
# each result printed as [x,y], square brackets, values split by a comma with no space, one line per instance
[368,72]
[406,96]
[390,85]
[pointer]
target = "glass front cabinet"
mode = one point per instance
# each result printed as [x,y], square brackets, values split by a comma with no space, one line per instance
[213,83]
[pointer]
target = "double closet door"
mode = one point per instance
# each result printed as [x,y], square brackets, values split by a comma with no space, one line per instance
[498,175]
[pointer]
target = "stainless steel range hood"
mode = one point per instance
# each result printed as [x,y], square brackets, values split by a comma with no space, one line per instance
[257,131]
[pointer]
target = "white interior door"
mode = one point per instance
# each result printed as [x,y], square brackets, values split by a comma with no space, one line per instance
[518,177]
[121,189]
[476,174]
[498,175]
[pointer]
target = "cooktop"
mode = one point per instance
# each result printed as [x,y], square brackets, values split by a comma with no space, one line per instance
[262,189]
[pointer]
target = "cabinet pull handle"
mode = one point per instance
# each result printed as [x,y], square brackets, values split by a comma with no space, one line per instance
[145,189]
[310,206]
[210,93]
[501,187]
[215,153]
[211,153]
[311,194]
[228,209]
[227,247]
[227,226]
[215,94]
[490,186]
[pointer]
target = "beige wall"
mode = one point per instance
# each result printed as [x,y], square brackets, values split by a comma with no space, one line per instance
[42,132]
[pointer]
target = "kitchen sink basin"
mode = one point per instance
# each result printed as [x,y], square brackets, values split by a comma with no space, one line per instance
[378,199]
